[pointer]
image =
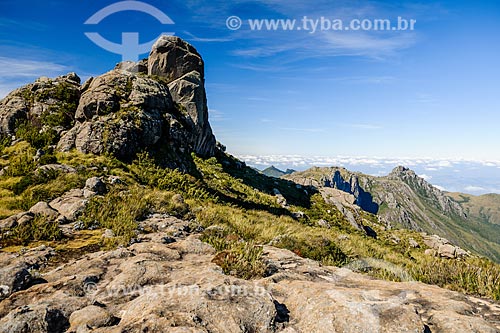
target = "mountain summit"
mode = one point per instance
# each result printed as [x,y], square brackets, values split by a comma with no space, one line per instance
[124,111]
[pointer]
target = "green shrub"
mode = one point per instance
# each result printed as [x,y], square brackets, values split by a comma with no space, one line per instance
[121,209]
[148,173]
[62,114]
[35,136]
[61,91]
[473,276]
[5,141]
[118,210]
[47,159]
[20,164]
[38,229]
[241,259]
[44,188]
[319,249]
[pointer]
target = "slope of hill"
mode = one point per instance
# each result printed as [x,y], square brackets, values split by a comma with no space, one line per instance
[404,200]
[485,208]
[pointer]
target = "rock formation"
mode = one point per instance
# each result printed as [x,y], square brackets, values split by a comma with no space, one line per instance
[170,284]
[400,200]
[124,111]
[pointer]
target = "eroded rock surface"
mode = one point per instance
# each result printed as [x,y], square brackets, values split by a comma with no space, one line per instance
[159,286]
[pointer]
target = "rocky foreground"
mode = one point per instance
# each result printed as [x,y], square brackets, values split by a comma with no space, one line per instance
[169,284]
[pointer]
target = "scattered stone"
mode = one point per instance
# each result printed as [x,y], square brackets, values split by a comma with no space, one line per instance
[178,199]
[91,317]
[447,251]
[413,243]
[70,205]
[54,168]
[324,224]
[15,220]
[395,239]
[461,253]
[37,318]
[343,237]
[108,233]
[114,180]
[95,185]
[42,208]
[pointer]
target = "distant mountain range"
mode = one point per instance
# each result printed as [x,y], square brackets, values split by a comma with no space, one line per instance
[404,200]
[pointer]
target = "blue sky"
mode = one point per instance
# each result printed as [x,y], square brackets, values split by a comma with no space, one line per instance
[428,93]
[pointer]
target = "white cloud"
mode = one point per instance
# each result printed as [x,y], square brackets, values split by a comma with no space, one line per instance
[266,120]
[425,177]
[19,68]
[364,126]
[441,188]
[444,164]
[447,178]
[475,189]
[492,163]
[15,73]
[193,38]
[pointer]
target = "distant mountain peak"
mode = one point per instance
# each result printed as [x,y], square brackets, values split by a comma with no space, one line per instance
[401,172]
[272,171]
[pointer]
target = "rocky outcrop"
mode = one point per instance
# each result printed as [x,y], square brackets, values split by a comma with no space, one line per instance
[340,179]
[345,203]
[400,200]
[172,58]
[435,195]
[120,113]
[442,247]
[38,101]
[62,210]
[189,92]
[124,111]
[167,282]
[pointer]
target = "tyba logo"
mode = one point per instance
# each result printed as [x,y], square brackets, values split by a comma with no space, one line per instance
[130,48]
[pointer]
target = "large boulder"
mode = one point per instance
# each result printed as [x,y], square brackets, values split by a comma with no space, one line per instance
[46,102]
[119,113]
[124,112]
[189,92]
[70,205]
[171,58]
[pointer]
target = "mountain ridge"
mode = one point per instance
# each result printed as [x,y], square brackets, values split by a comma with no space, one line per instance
[402,199]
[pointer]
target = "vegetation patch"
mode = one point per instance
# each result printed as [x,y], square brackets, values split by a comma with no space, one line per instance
[38,229]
